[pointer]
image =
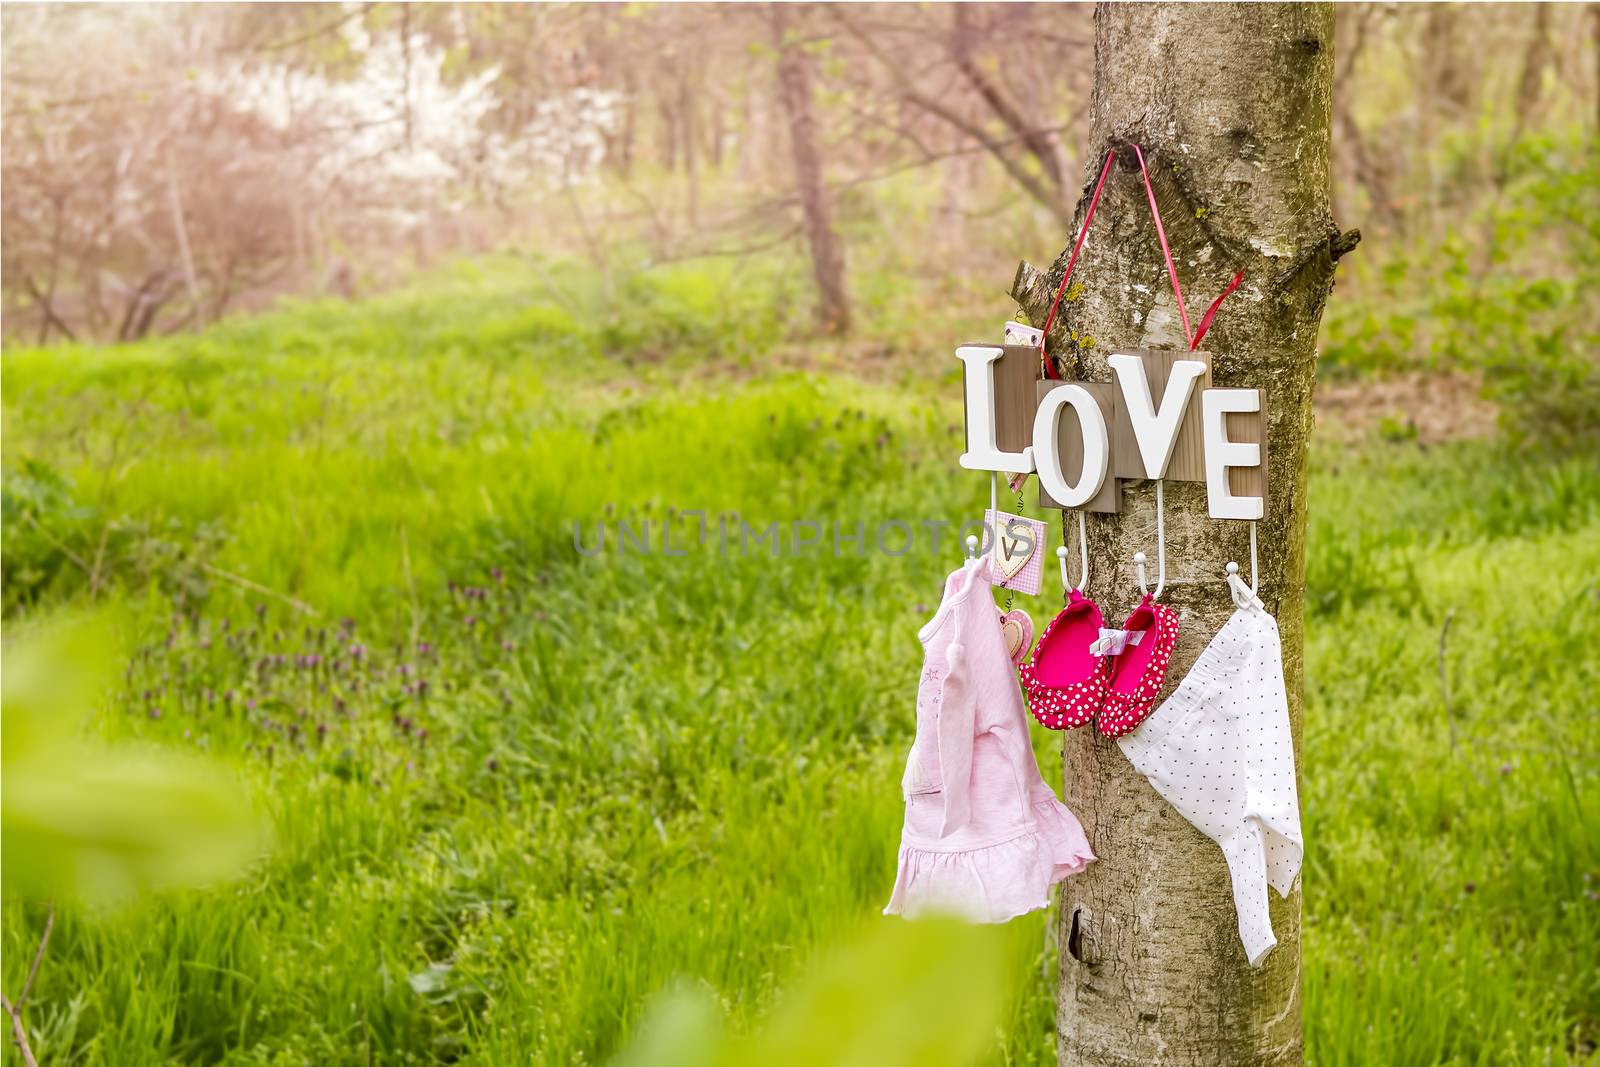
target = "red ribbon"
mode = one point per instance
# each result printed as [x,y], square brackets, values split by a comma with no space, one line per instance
[1211,312]
[1191,336]
[1083,231]
[1172,271]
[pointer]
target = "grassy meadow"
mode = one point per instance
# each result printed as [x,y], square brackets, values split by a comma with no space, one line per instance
[516,790]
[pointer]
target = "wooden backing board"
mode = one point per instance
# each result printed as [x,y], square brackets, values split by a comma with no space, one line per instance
[1188,462]
[1014,376]
[1069,443]
[1249,426]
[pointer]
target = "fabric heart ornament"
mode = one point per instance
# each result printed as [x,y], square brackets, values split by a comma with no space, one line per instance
[1017,629]
[1016,545]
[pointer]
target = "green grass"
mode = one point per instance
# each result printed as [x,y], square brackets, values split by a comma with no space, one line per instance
[629,769]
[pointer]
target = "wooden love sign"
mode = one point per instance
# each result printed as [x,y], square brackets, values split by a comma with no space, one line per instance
[1081,437]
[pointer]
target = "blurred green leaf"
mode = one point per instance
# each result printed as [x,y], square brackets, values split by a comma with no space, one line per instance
[923,994]
[682,1028]
[97,823]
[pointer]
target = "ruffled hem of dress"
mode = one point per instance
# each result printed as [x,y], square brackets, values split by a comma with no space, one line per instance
[1069,848]
[996,883]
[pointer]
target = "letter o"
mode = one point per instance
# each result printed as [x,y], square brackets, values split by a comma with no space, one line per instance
[1047,454]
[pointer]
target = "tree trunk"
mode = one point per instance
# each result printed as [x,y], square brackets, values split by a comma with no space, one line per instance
[718,133]
[630,110]
[1594,17]
[827,254]
[669,134]
[1231,104]
[1353,163]
[691,145]
[1531,82]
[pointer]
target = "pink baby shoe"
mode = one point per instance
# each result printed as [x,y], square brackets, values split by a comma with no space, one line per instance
[1064,680]
[1140,669]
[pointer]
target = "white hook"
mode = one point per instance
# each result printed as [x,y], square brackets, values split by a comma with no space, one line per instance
[1083,560]
[1161,548]
[991,524]
[1254,576]
[991,530]
[1243,595]
[1161,539]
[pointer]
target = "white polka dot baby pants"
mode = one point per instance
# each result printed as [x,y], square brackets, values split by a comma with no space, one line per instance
[1220,751]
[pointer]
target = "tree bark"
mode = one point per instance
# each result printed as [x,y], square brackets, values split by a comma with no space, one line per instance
[827,254]
[1232,107]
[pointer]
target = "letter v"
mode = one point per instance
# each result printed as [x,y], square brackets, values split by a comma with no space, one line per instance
[1155,430]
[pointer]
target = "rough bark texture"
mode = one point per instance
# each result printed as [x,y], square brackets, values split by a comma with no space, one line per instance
[1232,106]
[827,254]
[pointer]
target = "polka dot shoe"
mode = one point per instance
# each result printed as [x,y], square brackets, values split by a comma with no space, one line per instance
[1136,679]
[1064,681]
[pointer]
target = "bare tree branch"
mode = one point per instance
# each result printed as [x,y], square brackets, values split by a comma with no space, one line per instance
[1044,147]
[1018,173]
[19,1033]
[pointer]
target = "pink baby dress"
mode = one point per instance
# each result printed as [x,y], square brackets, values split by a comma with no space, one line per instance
[985,838]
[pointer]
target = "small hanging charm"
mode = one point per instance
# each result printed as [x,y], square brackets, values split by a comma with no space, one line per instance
[1017,628]
[1017,544]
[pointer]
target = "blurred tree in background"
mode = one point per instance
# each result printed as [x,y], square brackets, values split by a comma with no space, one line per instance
[163,167]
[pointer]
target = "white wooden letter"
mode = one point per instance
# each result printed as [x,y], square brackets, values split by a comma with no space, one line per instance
[983,453]
[1156,430]
[1221,453]
[1096,446]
